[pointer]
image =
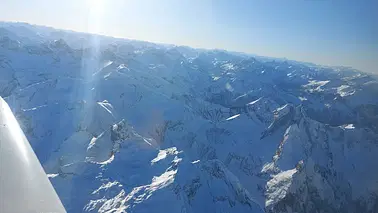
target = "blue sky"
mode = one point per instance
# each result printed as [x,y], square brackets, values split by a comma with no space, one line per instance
[330,32]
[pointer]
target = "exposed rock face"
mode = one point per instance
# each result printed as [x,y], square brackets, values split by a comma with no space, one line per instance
[128,126]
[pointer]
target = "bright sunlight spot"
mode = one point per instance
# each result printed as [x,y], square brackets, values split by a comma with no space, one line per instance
[96,10]
[96,6]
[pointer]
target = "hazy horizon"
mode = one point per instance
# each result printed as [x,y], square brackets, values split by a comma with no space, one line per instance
[330,33]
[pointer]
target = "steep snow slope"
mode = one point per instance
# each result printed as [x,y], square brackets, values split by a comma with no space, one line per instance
[128,126]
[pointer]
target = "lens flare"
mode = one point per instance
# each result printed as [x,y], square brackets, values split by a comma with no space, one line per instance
[96,6]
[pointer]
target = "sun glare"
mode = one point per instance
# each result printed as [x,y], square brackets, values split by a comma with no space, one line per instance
[96,10]
[96,6]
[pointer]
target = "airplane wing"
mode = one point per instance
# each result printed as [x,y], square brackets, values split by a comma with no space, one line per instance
[24,186]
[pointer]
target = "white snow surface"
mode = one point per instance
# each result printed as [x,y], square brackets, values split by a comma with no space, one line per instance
[278,186]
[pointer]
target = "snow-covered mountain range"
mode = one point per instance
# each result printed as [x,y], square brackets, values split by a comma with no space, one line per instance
[131,126]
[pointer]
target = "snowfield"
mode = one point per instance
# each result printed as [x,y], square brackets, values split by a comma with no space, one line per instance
[131,126]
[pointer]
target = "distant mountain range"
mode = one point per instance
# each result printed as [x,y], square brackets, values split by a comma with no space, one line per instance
[131,126]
